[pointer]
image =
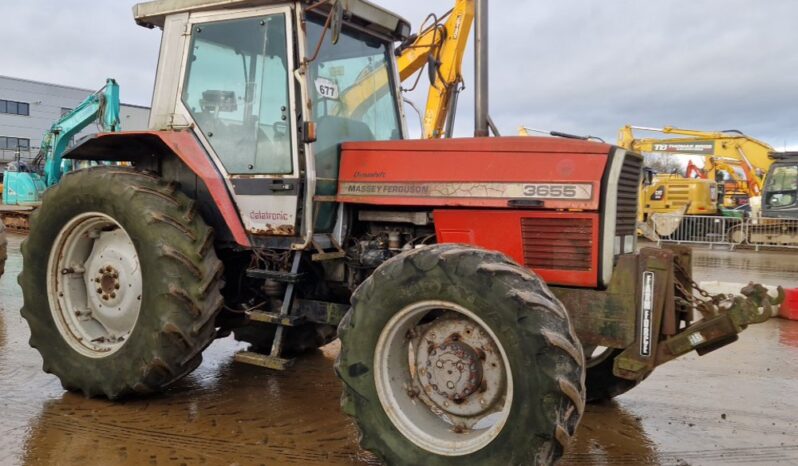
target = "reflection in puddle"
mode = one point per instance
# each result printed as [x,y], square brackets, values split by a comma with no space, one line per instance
[610,435]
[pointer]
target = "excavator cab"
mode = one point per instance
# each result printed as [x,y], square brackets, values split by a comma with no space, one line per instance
[780,199]
[258,77]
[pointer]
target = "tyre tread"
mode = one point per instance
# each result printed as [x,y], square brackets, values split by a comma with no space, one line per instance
[547,322]
[187,307]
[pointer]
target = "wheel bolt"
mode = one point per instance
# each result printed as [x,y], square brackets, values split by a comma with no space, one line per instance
[450,384]
[99,291]
[105,297]
[116,287]
[113,295]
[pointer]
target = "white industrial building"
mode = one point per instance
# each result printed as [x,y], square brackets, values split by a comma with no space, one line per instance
[29,108]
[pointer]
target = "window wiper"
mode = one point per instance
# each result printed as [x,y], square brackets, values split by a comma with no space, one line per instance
[560,134]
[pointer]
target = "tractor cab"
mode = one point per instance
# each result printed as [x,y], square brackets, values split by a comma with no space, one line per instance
[271,89]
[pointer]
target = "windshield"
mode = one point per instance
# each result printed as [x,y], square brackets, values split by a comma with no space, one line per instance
[782,187]
[351,85]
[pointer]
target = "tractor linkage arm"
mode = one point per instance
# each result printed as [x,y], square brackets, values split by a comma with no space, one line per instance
[648,310]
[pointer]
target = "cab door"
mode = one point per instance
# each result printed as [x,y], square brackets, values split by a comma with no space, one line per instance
[238,91]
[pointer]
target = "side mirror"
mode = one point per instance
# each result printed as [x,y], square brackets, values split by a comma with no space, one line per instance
[337,20]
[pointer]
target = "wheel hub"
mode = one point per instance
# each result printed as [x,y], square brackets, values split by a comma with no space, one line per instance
[458,367]
[454,371]
[108,281]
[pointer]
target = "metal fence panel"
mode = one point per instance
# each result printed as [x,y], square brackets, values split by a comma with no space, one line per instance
[726,231]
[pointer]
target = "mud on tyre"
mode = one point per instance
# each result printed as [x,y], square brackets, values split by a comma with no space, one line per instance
[121,283]
[455,355]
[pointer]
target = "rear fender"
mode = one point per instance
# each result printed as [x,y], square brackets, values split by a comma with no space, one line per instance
[173,155]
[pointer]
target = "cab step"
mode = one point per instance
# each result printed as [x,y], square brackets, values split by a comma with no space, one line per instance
[327,248]
[263,360]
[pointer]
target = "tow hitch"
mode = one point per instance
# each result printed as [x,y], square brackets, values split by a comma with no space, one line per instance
[723,317]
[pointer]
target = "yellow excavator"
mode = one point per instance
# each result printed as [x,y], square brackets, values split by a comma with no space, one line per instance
[756,175]
[731,155]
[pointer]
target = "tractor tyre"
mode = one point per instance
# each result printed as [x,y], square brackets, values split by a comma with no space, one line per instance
[3,248]
[456,355]
[602,385]
[297,340]
[121,282]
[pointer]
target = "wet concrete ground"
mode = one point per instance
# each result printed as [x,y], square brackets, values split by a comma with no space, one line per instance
[738,405]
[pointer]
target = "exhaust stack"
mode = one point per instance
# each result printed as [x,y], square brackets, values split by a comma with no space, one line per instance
[482,113]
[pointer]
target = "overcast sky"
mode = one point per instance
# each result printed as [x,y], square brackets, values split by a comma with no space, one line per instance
[580,66]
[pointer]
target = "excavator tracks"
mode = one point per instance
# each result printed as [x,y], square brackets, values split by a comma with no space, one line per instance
[16,219]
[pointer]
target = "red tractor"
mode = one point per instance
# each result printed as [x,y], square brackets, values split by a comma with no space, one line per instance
[483,289]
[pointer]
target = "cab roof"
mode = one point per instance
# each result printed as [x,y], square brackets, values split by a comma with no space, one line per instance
[154,13]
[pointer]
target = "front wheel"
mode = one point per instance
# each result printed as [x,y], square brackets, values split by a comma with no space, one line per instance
[120,281]
[455,355]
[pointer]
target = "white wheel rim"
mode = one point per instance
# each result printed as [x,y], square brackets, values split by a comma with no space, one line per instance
[465,354]
[94,285]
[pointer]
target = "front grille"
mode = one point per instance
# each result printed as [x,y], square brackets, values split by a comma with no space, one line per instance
[558,243]
[628,189]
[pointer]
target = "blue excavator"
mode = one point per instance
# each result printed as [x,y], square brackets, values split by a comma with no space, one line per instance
[23,184]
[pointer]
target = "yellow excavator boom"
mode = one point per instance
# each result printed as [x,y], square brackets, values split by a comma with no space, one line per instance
[446,44]
[442,46]
[724,150]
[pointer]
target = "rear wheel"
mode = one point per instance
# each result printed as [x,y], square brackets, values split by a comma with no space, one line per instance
[120,281]
[454,355]
[601,383]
